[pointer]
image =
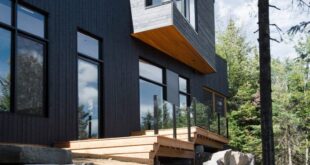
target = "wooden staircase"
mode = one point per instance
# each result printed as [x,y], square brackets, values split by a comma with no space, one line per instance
[140,149]
[198,136]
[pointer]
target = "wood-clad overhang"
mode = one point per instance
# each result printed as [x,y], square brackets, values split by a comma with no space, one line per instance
[170,40]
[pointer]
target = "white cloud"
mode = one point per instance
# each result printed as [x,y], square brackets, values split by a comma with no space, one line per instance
[244,13]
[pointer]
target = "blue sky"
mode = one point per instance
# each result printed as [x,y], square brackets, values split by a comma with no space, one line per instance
[244,12]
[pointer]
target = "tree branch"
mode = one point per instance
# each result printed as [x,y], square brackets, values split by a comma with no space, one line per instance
[275,40]
[275,7]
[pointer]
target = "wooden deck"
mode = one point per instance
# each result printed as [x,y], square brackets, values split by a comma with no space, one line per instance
[144,146]
[198,136]
[140,149]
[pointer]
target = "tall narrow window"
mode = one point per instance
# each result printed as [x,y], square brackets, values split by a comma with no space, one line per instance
[89,65]
[151,84]
[6,11]
[5,60]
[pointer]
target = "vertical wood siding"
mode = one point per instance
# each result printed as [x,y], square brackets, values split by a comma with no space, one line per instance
[111,21]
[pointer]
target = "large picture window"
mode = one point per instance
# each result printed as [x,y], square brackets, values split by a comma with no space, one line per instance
[151,84]
[89,64]
[22,62]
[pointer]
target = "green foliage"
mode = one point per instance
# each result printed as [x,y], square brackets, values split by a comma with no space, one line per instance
[290,93]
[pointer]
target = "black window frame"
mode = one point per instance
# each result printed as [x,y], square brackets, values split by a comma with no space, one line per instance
[100,64]
[187,93]
[163,85]
[15,33]
[186,14]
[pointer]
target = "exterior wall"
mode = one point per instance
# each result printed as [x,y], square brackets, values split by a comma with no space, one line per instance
[111,21]
[204,40]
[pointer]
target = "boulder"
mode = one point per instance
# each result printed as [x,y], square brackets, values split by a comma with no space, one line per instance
[29,154]
[229,157]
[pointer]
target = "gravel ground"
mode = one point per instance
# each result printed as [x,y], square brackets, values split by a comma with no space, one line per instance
[80,161]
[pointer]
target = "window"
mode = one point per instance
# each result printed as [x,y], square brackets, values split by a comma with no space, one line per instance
[89,65]
[27,81]
[188,9]
[217,121]
[30,21]
[5,57]
[88,46]
[153,2]
[29,76]
[183,92]
[6,11]
[151,84]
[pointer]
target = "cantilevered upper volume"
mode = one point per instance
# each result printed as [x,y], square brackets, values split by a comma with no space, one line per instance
[183,29]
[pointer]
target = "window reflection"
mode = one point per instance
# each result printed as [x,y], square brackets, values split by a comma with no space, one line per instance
[183,101]
[88,99]
[147,92]
[150,71]
[5,11]
[30,21]
[29,76]
[220,105]
[88,45]
[188,9]
[183,85]
[5,51]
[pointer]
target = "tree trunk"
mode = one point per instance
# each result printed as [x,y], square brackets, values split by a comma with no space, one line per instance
[289,148]
[265,83]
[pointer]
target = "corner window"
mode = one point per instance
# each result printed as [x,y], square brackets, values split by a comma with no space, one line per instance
[6,11]
[188,9]
[151,84]
[30,21]
[89,65]
[27,82]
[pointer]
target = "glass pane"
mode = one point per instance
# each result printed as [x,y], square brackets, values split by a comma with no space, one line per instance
[147,92]
[181,6]
[223,126]
[5,55]
[165,115]
[192,14]
[219,105]
[5,11]
[29,76]
[183,101]
[183,85]
[150,71]
[88,45]
[88,100]
[153,2]
[30,21]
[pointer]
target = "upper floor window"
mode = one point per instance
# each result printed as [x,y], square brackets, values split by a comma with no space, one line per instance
[188,10]
[6,11]
[30,21]
[150,72]
[28,41]
[153,2]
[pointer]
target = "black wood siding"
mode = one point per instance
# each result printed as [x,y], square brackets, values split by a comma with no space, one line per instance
[111,21]
[203,39]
